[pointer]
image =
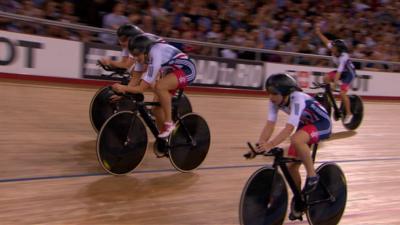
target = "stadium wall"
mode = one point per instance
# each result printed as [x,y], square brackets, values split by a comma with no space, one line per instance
[30,57]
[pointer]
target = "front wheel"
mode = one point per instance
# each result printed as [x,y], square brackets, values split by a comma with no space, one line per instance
[264,199]
[189,142]
[328,202]
[121,143]
[100,108]
[357,108]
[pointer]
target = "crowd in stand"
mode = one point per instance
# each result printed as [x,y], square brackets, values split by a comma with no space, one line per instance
[370,27]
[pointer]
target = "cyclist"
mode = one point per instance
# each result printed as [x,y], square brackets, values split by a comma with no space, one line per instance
[311,119]
[174,68]
[345,71]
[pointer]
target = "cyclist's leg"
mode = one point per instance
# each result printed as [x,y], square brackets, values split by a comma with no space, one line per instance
[294,167]
[158,113]
[317,131]
[184,73]
[295,209]
[295,173]
[162,89]
[299,141]
[346,102]
[346,79]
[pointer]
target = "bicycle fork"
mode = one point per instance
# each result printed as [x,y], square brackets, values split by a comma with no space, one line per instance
[127,139]
[187,133]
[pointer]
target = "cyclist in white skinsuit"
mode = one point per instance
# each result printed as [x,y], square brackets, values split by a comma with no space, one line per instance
[345,72]
[164,61]
[307,117]
[125,33]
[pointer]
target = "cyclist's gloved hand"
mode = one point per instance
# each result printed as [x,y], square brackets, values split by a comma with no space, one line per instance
[263,146]
[119,88]
[115,98]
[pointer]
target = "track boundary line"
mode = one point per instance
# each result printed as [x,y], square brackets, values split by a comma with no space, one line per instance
[10,180]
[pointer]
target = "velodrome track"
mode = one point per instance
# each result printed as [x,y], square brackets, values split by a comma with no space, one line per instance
[50,173]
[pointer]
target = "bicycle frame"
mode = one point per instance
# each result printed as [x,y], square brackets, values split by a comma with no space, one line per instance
[280,161]
[145,114]
[328,93]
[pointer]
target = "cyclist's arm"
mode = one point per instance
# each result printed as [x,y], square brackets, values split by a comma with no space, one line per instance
[297,106]
[143,86]
[322,37]
[153,67]
[267,132]
[270,125]
[149,77]
[283,135]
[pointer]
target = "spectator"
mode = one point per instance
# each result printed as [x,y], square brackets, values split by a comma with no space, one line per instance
[371,28]
[215,34]
[112,21]
[68,12]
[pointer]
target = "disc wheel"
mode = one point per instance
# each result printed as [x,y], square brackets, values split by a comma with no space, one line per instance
[264,199]
[185,154]
[328,202]
[121,143]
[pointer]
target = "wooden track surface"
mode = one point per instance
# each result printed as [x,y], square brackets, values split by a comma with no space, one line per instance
[50,174]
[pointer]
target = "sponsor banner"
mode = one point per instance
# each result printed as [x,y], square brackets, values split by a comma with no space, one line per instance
[367,83]
[92,52]
[35,55]
[229,73]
